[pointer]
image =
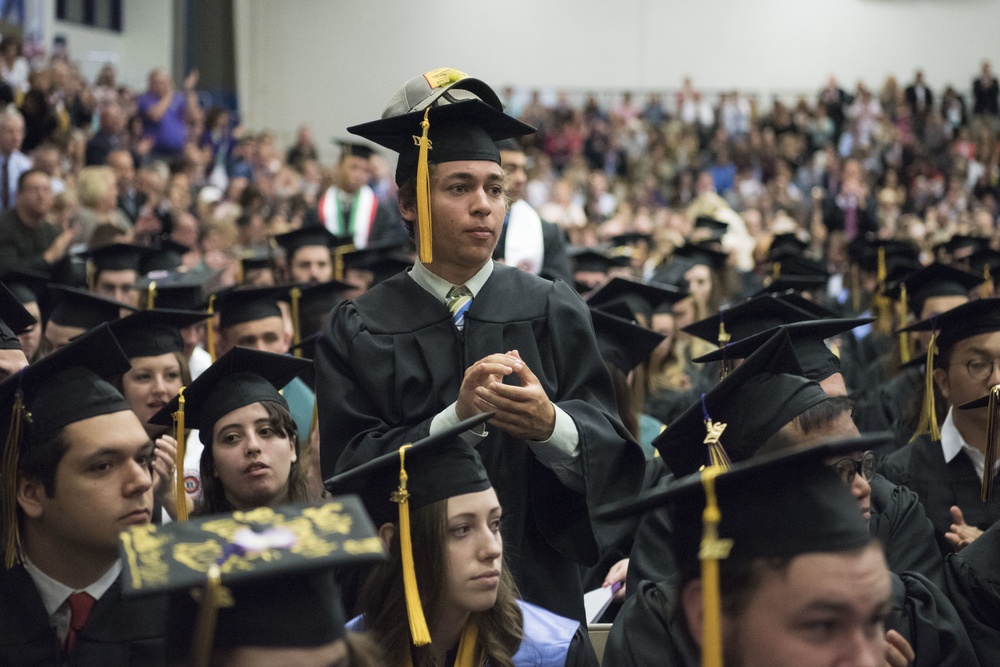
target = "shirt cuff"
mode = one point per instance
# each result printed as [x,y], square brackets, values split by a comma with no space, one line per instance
[449,417]
[561,452]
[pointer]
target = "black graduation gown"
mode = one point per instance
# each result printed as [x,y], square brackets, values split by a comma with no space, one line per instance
[974,587]
[120,631]
[391,360]
[921,467]
[644,634]
[890,406]
[899,522]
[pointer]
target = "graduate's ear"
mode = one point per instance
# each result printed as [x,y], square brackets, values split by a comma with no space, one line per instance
[30,496]
[692,603]
[386,533]
[941,380]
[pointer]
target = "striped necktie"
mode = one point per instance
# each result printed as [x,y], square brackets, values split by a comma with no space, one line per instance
[459,300]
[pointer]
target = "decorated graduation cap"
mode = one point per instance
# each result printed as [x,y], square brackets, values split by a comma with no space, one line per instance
[167,256]
[441,116]
[117,257]
[434,468]
[354,149]
[150,333]
[75,307]
[950,327]
[259,578]
[644,298]
[746,319]
[778,506]
[623,344]
[14,319]
[739,414]
[64,387]
[807,338]
[317,235]
[239,378]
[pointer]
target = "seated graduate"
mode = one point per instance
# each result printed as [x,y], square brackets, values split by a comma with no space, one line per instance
[151,340]
[439,517]
[251,443]
[256,588]
[781,572]
[14,320]
[83,474]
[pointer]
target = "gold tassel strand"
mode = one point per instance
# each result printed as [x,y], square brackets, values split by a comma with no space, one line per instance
[414,610]
[210,328]
[213,597]
[928,415]
[713,549]
[151,295]
[295,294]
[181,437]
[11,454]
[992,436]
[424,190]
[904,336]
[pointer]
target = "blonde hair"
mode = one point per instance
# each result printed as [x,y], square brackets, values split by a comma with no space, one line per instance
[93,183]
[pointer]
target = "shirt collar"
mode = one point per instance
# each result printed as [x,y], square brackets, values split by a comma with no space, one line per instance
[55,593]
[439,287]
[952,442]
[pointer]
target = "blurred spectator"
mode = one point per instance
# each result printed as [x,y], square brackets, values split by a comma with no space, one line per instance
[14,69]
[14,161]
[98,192]
[165,112]
[985,92]
[110,135]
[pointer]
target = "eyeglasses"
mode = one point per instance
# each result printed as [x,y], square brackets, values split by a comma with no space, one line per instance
[981,369]
[848,468]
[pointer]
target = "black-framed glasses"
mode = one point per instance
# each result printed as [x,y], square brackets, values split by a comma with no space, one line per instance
[848,468]
[981,369]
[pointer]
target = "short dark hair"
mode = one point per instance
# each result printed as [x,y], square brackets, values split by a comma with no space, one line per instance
[28,174]
[40,459]
[812,418]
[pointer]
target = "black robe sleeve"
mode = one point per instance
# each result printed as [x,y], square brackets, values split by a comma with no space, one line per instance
[555,261]
[973,576]
[581,651]
[902,526]
[643,634]
[928,620]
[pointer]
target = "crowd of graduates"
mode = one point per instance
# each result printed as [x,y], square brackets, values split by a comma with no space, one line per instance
[585,343]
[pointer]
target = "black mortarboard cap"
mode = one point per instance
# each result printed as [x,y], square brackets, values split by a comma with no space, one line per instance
[276,564]
[793,298]
[236,306]
[27,286]
[754,401]
[796,265]
[708,222]
[641,297]
[962,322]
[466,119]
[150,333]
[777,506]
[795,283]
[376,480]
[14,319]
[254,260]
[166,256]
[117,257]
[75,307]
[383,260]
[62,388]
[746,319]
[786,244]
[316,235]
[623,344]
[183,290]
[354,149]
[987,257]
[592,259]
[963,242]
[631,238]
[701,254]
[238,378]
[317,301]
[807,338]
[864,251]
[935,280]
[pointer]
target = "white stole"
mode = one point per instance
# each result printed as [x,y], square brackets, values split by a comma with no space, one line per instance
[362,213]
[524,247]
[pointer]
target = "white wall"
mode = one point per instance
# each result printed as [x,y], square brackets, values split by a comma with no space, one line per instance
[332,63]
[146,41]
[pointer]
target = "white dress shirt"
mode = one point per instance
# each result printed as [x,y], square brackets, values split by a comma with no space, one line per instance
[55,594]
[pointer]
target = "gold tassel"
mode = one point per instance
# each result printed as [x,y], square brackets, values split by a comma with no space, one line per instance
[151,295]
[296,294]
[723,340]
[928,415]
[91,275]
[468,647]
[239,271]
[987,288]
[210,328]
[713,431]
[904,336]
[181,437]
[992,426]
[775,271]
[414,610]
[213,597]
[338,259]
[424,190]
[713,549]
[11,453]
[883,311]
[856,288]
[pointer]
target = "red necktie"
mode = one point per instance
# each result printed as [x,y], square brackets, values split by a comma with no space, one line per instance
[80,606]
